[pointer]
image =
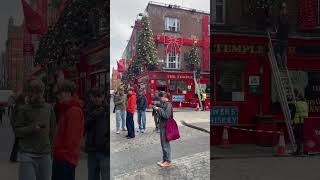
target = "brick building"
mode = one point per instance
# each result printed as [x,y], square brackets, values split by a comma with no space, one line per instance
[239,55]
[14,57]
[173,27]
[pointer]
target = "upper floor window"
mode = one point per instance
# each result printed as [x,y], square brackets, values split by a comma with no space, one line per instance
[219,11]
[172,24]
[173,59]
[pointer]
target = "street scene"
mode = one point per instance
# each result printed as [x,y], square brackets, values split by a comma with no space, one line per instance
[136,158]
[160,90]
[54,90]
[264,120]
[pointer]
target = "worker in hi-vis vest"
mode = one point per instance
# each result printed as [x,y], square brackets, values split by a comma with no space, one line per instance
[298,121]
[203,99]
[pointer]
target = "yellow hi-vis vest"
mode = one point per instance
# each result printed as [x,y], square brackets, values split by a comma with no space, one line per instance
[204,97]
[301,112]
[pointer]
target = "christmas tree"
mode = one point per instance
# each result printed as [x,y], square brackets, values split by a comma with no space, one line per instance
[146,50]
[146,54]
[193,59]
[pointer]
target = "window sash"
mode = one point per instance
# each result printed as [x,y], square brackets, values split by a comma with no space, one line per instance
[172,60]
[172,24]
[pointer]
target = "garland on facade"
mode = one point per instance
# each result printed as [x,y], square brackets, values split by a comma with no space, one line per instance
[193,59]
[146,57]
[63,41]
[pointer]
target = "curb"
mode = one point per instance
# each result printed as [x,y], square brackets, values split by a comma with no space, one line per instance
[195,127]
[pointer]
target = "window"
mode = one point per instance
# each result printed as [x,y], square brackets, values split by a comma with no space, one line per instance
[230,81]
[173,86]
[181,87]
[178,87]
[172,59]
[219,6]
[172,24]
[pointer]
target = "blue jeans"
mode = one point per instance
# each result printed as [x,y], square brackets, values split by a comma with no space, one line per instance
[34,166]
[142,119]
[120,119]
[63,170]
[165,145]
[98,166]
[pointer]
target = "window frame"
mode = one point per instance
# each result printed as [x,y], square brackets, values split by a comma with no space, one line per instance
[218,77]
[167,21]
[176,61]
[223,4]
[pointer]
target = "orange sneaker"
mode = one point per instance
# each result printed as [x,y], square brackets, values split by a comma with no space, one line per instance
[160,163]
[166,164]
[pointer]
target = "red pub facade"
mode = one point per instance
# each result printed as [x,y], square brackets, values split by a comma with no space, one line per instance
[244,94]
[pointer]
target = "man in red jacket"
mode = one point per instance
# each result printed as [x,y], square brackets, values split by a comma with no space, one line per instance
[69,133]
[131,108]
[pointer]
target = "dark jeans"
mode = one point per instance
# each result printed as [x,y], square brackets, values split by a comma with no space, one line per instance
[98,166]
[14,152]
[62,170]
[130,124]
[298,134]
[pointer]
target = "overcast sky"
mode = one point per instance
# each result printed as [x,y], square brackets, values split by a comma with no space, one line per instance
[9,8]
[124,12]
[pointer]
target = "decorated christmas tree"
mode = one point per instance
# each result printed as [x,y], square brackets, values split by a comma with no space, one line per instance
[146,50]
[193,59]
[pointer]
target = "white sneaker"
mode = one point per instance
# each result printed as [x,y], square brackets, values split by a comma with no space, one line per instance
[142,131]
[118,132]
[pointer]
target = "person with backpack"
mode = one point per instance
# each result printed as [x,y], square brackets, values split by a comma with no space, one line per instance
[165,112]
[34,125]
[68,139]
[156,102]
[96,137]
[141,109]
[120,110]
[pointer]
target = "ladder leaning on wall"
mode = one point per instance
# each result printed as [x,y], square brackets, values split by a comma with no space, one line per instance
[284,89]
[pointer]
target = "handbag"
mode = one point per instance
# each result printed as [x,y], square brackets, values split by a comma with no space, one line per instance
[172,130]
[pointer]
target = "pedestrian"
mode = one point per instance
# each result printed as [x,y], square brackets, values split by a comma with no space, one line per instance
[131,108]
[69,134]
[120,109]
[156,102]
[142,104]
[34,125]
[298,121]
[282,37]
[203,99]
[96,137]
[20,102]
[165,111]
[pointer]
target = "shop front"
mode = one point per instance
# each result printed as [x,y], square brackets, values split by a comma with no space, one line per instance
[180,86]
[244,91]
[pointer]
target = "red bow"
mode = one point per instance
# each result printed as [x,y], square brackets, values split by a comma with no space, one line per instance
[174,43]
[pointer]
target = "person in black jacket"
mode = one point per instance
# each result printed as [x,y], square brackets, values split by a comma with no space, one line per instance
[141,108]
[96,128]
